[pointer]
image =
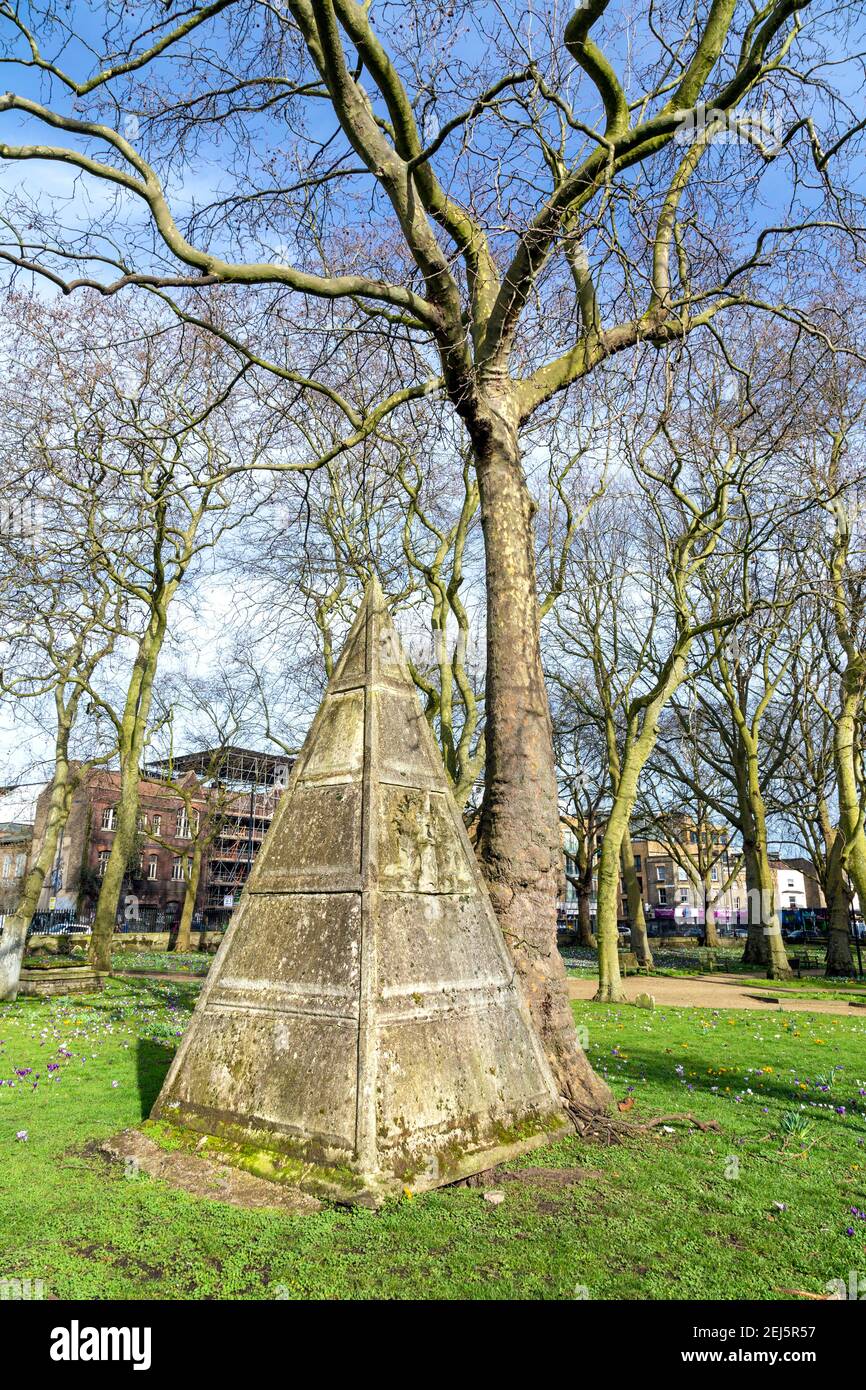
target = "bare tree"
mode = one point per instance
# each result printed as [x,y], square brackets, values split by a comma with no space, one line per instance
[59,622]
[632,610]
[581,760]
[679,801]
[130,423]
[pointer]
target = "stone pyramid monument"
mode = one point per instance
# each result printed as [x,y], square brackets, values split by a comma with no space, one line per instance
[362,1014]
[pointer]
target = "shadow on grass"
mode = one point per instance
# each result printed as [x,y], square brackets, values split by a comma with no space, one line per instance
[777,1088]
[153,1060]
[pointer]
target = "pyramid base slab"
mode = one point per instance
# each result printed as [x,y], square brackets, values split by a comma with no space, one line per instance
[291,1166]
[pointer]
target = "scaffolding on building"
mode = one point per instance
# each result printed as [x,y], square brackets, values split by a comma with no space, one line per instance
[253,781]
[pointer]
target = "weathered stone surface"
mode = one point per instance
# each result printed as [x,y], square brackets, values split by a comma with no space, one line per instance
[363,1014]
[70,979]
[202,1176]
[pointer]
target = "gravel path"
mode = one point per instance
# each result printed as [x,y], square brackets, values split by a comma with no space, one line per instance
[715,991]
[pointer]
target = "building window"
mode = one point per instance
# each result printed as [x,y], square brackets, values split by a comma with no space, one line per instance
[20,862]
[792,902]
[640,885]
[663,896]
[7,865]
[156,825]
[661,873]
[637,862]
[182,825]
[178,869]
[681,873]
[684,895]
[714,874]
[790,883]
[152,868]
[104,856]
[141,823]
[109,818]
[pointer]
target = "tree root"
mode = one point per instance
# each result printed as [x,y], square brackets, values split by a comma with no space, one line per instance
[598,1127]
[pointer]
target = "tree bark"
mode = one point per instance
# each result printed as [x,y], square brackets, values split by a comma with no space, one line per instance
[184,930]
[585,855]
[519,841]
[585,933]
[639,939]
[755,949]
[764,943]
[711,930]
[839,958]
[610,988]
[777,964]
[845,758]
[133,727]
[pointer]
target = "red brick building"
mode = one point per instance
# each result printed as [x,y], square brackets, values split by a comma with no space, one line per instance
[15,840]
[230,822]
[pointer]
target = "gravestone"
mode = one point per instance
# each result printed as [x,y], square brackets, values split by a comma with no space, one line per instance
[363,1014]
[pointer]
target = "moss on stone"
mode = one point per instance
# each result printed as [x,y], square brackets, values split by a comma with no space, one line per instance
[323,1180]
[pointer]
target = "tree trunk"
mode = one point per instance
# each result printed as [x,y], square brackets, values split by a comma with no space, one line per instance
[585,854]
[519,834]
[776,958]
[105,918]
[755,949]
[184,931]
[610,988]
[133,728]
[639,939]
[711,930]
[845,757]
[839,959]
[764,944]
[15,929]
[585,934]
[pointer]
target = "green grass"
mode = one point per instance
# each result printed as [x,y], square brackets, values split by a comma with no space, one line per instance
[657,1218]
[170,962]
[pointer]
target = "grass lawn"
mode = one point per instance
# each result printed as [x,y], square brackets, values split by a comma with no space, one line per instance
[661,1217]
[172,962]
